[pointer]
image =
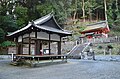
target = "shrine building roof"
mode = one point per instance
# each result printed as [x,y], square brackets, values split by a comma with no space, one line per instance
[46,23]
[95,27]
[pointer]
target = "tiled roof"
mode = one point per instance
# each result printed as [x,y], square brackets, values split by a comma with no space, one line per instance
[95,26]
[39,23]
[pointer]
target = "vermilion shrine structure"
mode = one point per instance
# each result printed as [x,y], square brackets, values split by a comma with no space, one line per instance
[98,29]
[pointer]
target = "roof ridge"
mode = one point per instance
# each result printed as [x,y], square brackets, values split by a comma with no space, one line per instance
[97,23]
[43,18]
[46,18]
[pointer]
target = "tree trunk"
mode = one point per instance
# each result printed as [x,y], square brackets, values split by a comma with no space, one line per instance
[106,14]
[75,12]
[74,15]
[105,10]
[90,14]
[117,5]
[97,16]
[83,9]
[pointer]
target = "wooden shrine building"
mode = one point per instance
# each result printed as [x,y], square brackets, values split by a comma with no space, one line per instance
[99,29]
[30,39]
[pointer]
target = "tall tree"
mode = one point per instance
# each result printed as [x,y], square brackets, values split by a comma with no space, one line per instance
[83,10]
[7,21]
[105,10]
[75,11]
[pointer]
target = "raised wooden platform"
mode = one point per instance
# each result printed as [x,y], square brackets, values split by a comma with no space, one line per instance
[40,55]
[39,60]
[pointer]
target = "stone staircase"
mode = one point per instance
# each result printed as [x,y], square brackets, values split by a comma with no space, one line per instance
[76,52]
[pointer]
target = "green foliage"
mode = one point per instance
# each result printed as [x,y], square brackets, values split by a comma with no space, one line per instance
[7,43]
[114,15]
[2,35]
[7,23]
[17,13]
[60,9]
[100,47]
[44,9]
[109,46]
[21,15]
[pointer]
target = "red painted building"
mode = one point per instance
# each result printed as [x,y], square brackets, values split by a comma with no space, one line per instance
[99,29]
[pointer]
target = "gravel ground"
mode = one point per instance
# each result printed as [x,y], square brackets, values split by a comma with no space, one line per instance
[74,69]
[108,57]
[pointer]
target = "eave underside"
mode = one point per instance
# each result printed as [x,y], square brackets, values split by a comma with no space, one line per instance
[39,29]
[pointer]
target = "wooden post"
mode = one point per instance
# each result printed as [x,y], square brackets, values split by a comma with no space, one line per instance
[19,48]
[40,47]
[38,59]
[16,41]
[12,56]
[59,47]
[36,43]
[82,40]
[62,58]
[104,52]
[49,44]
[22,46]
[110,52]
[52,59]
[36,48]
[29,44]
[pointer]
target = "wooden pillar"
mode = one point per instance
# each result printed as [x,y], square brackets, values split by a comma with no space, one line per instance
[29,44]
[19,48]
[16,42]
[40,48]
[59,47]
[36,47]
[49,44]
[36,43]
[21,52]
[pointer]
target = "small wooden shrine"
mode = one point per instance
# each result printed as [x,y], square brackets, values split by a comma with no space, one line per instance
[99,29]
[30,39]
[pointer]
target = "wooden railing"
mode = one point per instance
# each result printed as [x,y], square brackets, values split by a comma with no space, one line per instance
[100,40]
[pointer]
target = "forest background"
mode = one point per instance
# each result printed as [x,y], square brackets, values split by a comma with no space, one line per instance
[70,14]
